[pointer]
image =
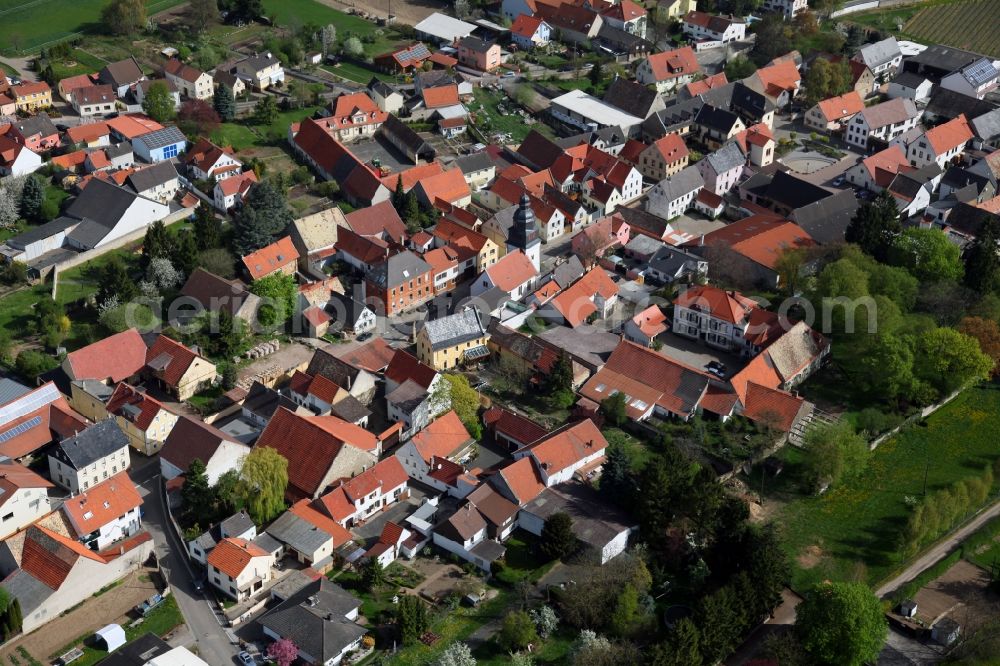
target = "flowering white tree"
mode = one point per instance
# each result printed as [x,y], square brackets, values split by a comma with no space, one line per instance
[457,654]
[545,620]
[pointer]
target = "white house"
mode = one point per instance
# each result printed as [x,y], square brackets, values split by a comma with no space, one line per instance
[719,318]
[566,451]
[787,7]
[444,438]
[712,30]
[464,534]
[722,169]
[237,526]
[92,101]
[17,160]
[158,182]
[205,161]
[940,144]
[193,439]
[514,274]
[309,533]
[884,121]
[93,455]
[367,493]
[643,328]
[25,497]
[229,192]
[106,513]
[974,80]
[882,58]
[191,81]
[589,113]
[668,70]
[912,86]
[675,195]
[529,32]
[239,568]
[260,71]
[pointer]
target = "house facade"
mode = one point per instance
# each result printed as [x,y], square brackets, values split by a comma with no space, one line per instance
[92,456]
[239,568]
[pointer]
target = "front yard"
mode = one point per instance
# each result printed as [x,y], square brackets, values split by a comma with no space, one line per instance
[853,530]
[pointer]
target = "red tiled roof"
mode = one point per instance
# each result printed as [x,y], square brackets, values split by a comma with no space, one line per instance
[843,106]
[885,164]
[178,357]
[759,371]
[133,125]
[116,357]
[760,238]
[702,86]
[525,26]
[387,474]
[231,556]
[87,133]
[307,511]
[404,366]
[103,503]
[345,110]
[181,70]
[576,303]
[513,270]
[782,75]
[411,176]
[373,356]
[456,235]
[311,445]
[728,306]
[651,321]
[567,446]
[513,426]
[778,408]
[69,160]
[125,395]
[441,259]
[439,96]
[205,154]
[377,220]
[439,58]
[523,479]
[391,533]
[449,186]
[237,184]
[626,10]
[71,83]
[31,88]
[49,557]
[442,437]
[671,148]
[271,258]
[949,135]
[672,64]
[15,476]
[445,471]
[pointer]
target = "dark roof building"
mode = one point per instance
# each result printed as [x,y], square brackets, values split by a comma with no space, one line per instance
[85,448]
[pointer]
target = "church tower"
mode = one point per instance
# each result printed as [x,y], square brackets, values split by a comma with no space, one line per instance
[523,234]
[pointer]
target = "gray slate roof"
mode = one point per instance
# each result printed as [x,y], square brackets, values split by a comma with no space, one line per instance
[454,329]
[121,73]
[152,176]
[398,268]
[879,53]
[671,260]
[299,534]
[28,590]
[687,180]
[162,137]
[726,158]
[314,618]
[35,234]
[92,444]
[633,98]
[40,124]
[475,162]
[11,390]
[987,126]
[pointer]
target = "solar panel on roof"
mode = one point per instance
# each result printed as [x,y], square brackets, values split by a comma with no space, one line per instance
[29,403]
[979,73]
[20,428]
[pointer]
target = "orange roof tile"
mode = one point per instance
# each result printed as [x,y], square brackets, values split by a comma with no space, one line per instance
[442,437]
[671,148]
[672,64]
[728,306]
[513,270]
[576,303]
[126,396]
[949,135]
[103,503]
[782,75]
[87,133]
[405,366]
[525,26]
[702,86]
[170,359]
[116,357]
[307,511]
[411,176]
[231,556]
[439,96]
[441,259]
[271,258]
[387,474]
[760,371]
[765,404]
[843,106]
[448,186]
[651,321]
[567,446]
[523,479]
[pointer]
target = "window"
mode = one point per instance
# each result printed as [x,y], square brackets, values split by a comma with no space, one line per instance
[170,151]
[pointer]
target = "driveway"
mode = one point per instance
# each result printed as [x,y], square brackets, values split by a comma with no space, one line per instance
[696,354]
[213,641]
[397,513]
[388,155]
[490,455]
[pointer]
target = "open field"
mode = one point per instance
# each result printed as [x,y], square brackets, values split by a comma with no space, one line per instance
[888,19]
[358,73]
[971,25]
[27,25]
[244,135]
[852,530]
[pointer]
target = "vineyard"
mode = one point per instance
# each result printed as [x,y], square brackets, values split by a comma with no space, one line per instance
[970,25]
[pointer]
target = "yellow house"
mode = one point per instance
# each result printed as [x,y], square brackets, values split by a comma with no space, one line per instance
[178,369]
[31,96]
[676,8]
[143,419]
[450,342]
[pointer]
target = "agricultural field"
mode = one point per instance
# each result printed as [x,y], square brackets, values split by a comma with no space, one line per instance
[852,531]
[27,25]
[970,25]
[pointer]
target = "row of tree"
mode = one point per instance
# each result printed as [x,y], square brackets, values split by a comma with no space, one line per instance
[941,510]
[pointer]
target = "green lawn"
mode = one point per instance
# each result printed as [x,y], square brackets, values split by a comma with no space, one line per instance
[552,650]
[358,73]
[78,63]
[521,560]
[490,118]
[242,135]
[309,11]
[853,529]
[159,622]
[26,25]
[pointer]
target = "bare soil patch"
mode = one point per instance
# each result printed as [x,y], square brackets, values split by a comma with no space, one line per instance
[962,593]
[810,557]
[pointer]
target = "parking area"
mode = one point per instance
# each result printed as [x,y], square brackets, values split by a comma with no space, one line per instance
[387,154]
[698,355]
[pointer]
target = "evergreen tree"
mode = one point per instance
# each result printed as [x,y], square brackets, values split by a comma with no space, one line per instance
[875,225]
[195,492]
[681,647]
[617,483]
[185,255]
[207,228]
[266,111]
[156,244]
[263,217]
[398,196]
[557,539]
[224,103]
[982,263]
[32,198]
[411,206]
[614,409]
[158,104]
[116,282]
[561,376]
[373,574]
[411,619]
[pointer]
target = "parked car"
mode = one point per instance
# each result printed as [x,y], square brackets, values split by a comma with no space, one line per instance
[838,181]
[244,659]
[716,368]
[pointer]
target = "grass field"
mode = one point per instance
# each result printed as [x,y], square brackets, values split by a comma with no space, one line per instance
[971,25]
[491,119]
[852,530]
[358,73]
[27,25]
[242,136]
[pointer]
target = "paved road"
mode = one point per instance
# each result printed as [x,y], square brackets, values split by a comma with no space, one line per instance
[214,643]
[940,550]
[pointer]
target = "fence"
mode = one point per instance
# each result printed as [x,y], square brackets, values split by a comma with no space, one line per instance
[910,420]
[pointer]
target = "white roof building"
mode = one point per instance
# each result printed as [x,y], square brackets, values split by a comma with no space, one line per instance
[588,112]
[444,28]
